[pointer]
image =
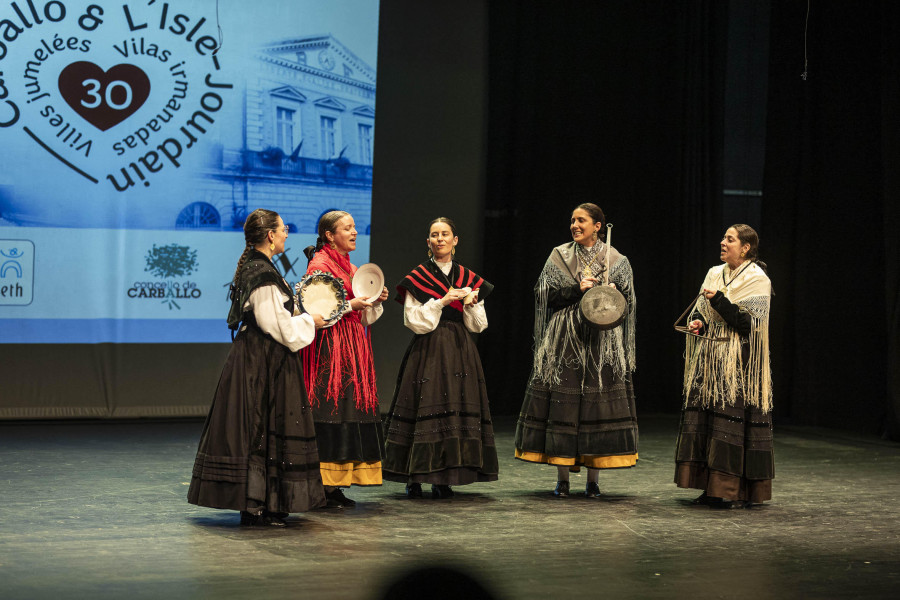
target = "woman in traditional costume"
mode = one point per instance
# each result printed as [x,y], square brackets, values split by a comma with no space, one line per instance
[439,427]
[257,453]
[579,406]
[725,443]
[340,374]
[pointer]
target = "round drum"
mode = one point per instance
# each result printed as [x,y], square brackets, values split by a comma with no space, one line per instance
[603,307]
[322,293]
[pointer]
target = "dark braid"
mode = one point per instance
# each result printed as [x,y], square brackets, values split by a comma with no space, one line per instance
[257,226]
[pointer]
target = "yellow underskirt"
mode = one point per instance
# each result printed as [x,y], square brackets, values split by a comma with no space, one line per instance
[350,473]
[574,464]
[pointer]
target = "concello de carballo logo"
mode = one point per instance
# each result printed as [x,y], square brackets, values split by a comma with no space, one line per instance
[168,263]
[119,93]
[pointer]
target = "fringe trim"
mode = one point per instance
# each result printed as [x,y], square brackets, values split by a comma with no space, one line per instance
[716,369]
[563,340]
[349,361]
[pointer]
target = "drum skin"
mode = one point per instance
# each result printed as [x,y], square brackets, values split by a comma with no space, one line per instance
[603,307]
[322,293]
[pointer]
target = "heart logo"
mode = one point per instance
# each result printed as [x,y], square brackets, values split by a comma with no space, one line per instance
[104,98]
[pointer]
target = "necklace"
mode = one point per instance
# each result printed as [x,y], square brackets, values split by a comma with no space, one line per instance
[736,275]
[588,259]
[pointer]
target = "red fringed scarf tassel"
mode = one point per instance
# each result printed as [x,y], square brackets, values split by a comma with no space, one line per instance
[346,346]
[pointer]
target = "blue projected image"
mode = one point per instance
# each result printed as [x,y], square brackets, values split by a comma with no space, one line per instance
[137,136]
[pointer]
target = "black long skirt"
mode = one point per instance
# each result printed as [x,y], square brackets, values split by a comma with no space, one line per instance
[258,447]
[439,428]
[726,451]
[568,423]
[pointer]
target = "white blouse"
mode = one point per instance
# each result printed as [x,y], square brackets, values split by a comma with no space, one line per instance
[369,315]
[293,331]
[424,318]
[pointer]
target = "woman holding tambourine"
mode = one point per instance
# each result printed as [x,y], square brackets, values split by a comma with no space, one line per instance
[339,371]
[439,428]
[725,445]
[579,406]
[257,453]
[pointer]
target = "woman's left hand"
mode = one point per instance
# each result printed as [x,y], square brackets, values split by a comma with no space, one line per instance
[360,304]
[473,302]
[708,293]
[612,285]
[382,297]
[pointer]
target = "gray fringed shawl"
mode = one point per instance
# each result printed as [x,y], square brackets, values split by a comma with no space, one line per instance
[716,369]
[561,338]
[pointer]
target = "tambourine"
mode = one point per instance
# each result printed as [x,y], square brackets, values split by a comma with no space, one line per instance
[324,294]
[603,307]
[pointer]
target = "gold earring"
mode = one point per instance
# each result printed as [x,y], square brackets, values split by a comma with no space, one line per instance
[272,246]
[332,245]
[743,254]
[429,253]
[453,251]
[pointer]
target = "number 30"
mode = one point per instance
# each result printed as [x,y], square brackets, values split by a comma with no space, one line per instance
[93,87]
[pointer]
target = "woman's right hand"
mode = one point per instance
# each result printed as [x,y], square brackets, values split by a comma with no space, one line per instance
[587,283]
[453,295]
[360,303]
[695,326]
[318,320]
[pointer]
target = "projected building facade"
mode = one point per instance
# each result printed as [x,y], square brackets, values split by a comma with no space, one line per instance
[305,142]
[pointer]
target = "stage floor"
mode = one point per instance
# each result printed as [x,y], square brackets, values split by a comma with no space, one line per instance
[98,510]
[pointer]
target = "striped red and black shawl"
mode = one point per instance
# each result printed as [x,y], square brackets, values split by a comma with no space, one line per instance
[427,281]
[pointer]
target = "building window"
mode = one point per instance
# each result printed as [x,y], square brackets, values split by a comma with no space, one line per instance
[365,144]
[329,134]
[301,58]
[198,215]
[284,129]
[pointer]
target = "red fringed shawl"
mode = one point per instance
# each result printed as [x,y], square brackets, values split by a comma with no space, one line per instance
[349,357]
[427,281]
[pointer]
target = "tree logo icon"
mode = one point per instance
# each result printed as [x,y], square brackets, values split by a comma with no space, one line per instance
[168,262]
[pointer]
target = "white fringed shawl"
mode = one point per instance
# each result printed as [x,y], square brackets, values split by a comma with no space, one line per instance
[561,338]
[716,369]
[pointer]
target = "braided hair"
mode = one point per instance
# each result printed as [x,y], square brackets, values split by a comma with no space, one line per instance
[257,226]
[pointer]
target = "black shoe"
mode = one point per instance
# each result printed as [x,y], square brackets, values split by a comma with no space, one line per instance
[592,490]
[413,490]
[702,499]
[562,489]
[266,519]
[441,492]
[337,496]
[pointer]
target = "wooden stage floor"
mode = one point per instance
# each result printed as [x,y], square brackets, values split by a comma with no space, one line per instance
[98,510]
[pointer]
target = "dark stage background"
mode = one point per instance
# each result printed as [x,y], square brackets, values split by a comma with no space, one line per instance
[678,118]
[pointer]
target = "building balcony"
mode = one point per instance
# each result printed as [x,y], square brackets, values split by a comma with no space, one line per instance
[273,161]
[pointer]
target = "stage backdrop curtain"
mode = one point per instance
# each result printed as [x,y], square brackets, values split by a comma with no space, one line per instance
[831,213]
[617,103]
